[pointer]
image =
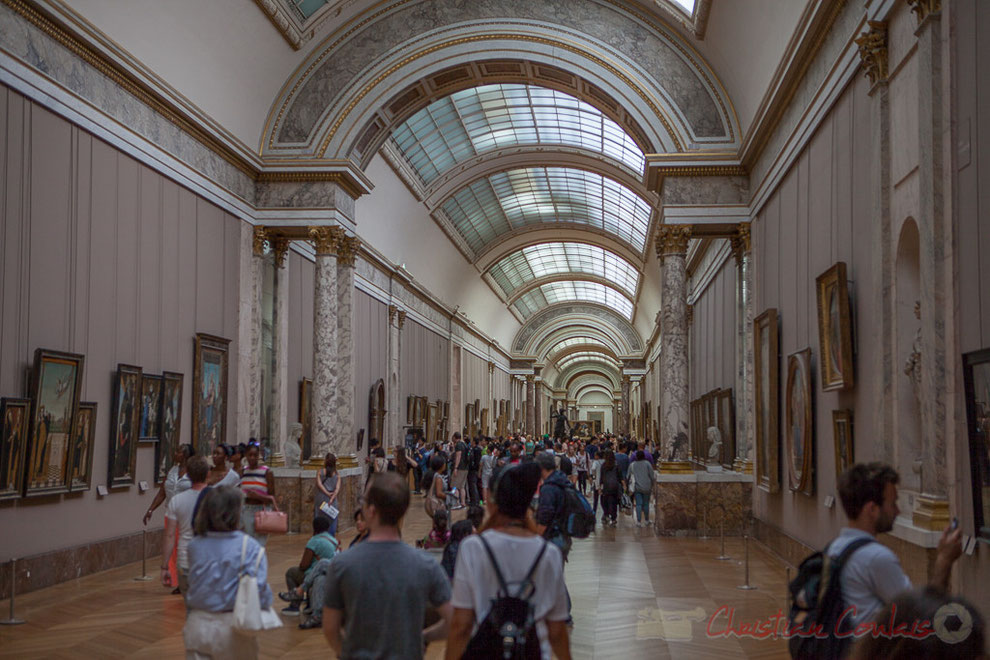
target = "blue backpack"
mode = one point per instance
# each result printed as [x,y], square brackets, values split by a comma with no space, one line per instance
[577,519]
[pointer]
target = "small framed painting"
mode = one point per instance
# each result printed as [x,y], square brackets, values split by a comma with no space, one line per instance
[976,378]
[14,416]
[306,416]
[767,399]
[125,423]
[209,409]
[56,382]
[727,426]
[170,419]
[151,404]
[81,458]
[799,430]
[842,432]
[835,329]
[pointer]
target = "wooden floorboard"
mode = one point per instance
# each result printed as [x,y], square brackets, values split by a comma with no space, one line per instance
[635,595]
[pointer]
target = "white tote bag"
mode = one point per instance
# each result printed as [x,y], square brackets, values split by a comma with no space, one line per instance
[249,618]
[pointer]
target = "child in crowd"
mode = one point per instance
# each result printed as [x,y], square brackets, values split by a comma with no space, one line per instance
[476,514]
[439,536]
[460,531]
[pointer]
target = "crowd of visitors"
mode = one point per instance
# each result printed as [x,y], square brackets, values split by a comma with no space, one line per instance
[499,568]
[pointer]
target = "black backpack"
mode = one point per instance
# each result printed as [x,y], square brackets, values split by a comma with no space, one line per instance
[577,519]
[509,630]
[816,612]
[610,482]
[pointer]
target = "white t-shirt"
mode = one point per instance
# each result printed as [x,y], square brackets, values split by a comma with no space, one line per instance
[872,576]
[476,583]
[180,509]
[229,479]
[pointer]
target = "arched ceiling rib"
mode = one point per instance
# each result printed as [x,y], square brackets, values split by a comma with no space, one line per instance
[574,344]
[572,335]
[552,293]
[565,379]
[578,315]
[522,267]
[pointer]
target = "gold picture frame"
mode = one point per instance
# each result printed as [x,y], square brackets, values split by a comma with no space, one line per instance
[81,450]
[842,432]
[209,396]
[766,359]
[727,426]
[799,435]
[835,329]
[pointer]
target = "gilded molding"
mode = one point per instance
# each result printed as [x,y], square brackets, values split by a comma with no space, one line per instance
[392,311]
[491,367]
[741,242]
[873,51]
[342,179]
[323,239]
[347,249]
[925,8]
[700,170]
[530,378]
[258,241]
[402,318]
[672,240]
[280,247]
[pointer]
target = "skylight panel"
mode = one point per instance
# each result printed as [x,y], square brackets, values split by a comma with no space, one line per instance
[569,291]
[307,8]
[686,5]
[546,259]
[481,119]
[563,345]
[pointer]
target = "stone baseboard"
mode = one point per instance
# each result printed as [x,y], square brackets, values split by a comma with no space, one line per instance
[51,568]
[779,543]
[690,505]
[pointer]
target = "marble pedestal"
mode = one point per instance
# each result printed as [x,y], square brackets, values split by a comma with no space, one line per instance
[295,489]
[685,504]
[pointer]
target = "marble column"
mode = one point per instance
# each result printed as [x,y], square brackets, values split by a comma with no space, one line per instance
[395,412]
[280,346]
[672,241]
[326,422]
[456,420]
[530,406]
[538,408]
[347,247]
[491,405]
[252,378]
[626,406]
[745,406]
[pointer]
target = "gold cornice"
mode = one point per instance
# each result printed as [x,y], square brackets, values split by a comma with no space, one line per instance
[402,318]
[258,241]
[672,240]
[873,51]
[700,170]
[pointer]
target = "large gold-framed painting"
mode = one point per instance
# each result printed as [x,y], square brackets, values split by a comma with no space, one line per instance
[171,423]
[14,419]
[767,399]
[976,380]
[209,413]
[125,424]
[800,424]
[56,382]
[151,404]
[835,329]
[842,432]
[81,455]
[727,425]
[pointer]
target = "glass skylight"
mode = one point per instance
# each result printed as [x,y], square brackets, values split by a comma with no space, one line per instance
[597,358]
[495,205]
[555,292]
[686,5]
[307,8]
[481,119]
[573,341]
[544,259]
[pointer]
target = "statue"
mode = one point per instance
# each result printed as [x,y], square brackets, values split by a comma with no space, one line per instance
[291,449]
[561,430]
[715,444]
[677,447]
[912,366]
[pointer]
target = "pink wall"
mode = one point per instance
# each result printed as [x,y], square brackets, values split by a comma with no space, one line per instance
[102,256]
[820,214]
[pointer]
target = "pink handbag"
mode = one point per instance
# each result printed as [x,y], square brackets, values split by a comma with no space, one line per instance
[271,522]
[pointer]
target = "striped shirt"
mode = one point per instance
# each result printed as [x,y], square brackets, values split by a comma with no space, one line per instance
[255,479]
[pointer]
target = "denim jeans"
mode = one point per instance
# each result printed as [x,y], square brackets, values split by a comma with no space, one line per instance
[642,506]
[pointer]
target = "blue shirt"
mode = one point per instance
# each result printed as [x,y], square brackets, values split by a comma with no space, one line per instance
[622,462]
[324,546]
[215,569]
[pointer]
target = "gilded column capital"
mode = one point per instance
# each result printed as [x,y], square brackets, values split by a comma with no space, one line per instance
[626,379]
[873,51]
[530,378]
[402,318]
[258,241]
[925,8]
[347,249]
[280,247]
[323,239]
[741,242]
[491,367]
[672,240]
[392,311]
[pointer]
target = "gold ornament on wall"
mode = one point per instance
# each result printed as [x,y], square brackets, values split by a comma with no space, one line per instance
[672,240]
[873,51]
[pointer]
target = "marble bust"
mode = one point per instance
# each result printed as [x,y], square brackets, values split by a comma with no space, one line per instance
[714,444]
[290,447]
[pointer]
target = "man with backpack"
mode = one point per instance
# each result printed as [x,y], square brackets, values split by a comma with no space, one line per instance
[862,575]
[509,581]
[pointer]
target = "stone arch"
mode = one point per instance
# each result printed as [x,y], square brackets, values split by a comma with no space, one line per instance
[328,106]
[571,331]
[907,338]
[553,317]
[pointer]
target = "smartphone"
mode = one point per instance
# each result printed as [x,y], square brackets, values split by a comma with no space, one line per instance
[954,524]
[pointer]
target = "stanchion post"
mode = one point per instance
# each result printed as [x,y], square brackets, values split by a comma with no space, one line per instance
[723,556]
[144,558]
[787,590]
[12,620]
[704,526]
[747,586]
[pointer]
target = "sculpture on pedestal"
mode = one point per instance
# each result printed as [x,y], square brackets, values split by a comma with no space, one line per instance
[291,449]
[561,429]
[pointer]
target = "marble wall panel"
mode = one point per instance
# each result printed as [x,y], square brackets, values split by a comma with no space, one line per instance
[690,506]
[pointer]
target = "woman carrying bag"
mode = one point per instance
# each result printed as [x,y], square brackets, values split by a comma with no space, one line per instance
[222,560]
[258,484]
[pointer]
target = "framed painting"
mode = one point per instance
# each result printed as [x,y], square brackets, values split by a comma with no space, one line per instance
[151,405]
[125,422]
[209,413]
[484,429]
[767,399]
[376,410]
[14,416]
[835,329]
[432,421]
[170,419]
[81,458]
[306,417]
[799,430]
[976,378]
[842,433]
[56,382]
[410,410]
[727,426]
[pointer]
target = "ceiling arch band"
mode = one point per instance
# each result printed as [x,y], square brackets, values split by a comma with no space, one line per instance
[573,335]
[552,293]
[585,315]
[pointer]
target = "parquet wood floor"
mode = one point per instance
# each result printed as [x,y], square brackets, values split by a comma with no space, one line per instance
[635,595]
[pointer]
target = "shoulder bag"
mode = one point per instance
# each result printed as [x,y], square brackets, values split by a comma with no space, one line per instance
[271,522]
[249,618]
